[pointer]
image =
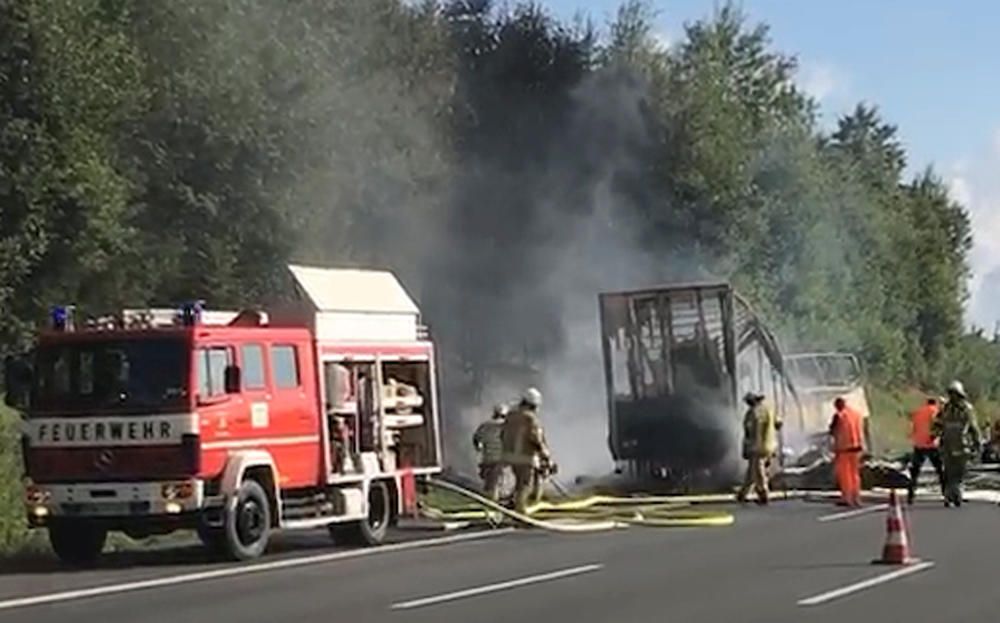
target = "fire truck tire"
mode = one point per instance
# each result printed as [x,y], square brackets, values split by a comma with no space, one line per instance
[77,542]
[247,528]
[372,529]
[214,539]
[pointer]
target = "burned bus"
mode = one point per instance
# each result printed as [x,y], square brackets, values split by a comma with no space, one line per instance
[821,378]
[677,360]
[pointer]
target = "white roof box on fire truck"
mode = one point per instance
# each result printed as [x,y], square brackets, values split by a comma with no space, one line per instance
[349,304]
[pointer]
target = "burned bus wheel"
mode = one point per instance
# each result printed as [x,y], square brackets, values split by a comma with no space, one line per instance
[248,522]
[77,542]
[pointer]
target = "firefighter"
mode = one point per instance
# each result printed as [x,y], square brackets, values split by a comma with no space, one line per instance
[846,429]
[924,445]
[489,443]
[958,439]
[524,444]
[760,443]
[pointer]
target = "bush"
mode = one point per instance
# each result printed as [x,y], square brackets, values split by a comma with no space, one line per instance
[13,529]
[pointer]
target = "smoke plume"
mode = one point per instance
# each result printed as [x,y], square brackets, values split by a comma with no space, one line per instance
[581,240]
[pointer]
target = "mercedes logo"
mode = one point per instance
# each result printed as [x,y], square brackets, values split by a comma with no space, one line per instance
[104,460]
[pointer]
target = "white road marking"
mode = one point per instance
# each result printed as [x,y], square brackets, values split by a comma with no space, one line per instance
[188,578]
[493,588]
[860,586]
[854,513]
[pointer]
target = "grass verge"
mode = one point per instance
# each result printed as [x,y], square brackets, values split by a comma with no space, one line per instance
[890,409]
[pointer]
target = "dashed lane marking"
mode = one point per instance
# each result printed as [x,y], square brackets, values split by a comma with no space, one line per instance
[822,598]
[854,513]
[202,576]
[493,588]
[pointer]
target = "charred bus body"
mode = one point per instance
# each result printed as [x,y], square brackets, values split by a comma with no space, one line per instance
[677,359]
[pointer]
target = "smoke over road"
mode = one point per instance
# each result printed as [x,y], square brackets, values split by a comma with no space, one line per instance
[528,289]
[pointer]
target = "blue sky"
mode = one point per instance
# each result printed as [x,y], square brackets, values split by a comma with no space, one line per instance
[932,67]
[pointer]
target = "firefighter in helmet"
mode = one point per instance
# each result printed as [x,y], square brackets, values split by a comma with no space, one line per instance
[760,444]
[959,439]
[524,445]
[489,442]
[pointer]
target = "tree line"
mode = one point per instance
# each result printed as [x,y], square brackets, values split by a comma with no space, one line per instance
[504,163]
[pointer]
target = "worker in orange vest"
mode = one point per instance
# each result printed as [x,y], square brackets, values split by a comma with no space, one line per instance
[924,445]
[847,431]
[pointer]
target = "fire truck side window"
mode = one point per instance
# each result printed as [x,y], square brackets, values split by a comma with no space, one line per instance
[86,373]
[212,363]
[284,360]
[253,366]
[61,372]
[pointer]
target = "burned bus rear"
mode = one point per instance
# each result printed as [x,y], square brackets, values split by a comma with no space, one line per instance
[676,360]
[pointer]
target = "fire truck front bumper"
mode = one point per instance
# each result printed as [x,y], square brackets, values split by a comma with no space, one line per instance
[123,500]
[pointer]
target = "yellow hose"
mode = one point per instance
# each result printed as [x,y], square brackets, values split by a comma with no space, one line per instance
[592,514]
[525,519]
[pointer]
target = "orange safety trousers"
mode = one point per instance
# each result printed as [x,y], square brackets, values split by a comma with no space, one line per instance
[847,468]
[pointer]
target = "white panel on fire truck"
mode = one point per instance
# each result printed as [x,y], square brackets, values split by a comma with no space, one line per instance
[358,305]
[336,326]
[259,415]
[353,290]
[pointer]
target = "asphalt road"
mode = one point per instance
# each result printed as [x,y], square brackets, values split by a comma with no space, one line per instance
[761,569]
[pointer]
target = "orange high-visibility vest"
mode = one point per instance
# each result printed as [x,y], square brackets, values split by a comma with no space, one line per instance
[921,420]
[847,430]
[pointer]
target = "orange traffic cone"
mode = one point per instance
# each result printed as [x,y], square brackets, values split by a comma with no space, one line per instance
[896,550]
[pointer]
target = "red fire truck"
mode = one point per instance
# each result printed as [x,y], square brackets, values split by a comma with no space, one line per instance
[322,412]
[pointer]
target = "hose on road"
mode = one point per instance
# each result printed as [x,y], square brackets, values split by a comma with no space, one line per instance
[592,514]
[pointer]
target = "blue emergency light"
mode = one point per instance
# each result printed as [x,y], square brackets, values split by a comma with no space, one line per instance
[191,313]
[62,317]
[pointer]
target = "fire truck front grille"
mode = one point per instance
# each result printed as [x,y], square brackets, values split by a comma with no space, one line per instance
[48,465]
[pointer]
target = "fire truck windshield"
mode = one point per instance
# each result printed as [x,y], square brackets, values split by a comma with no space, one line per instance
[138,375]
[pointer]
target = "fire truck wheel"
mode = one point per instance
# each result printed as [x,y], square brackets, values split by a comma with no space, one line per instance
[372,529]
[77,542]
[248,522]
[214,539]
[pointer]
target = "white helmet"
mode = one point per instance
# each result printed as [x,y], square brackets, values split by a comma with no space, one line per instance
[501,409]
[956,387]
[532,397]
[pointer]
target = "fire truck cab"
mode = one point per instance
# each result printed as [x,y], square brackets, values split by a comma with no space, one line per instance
[321,412]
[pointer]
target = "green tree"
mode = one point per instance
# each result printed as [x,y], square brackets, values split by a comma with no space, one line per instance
[70,79]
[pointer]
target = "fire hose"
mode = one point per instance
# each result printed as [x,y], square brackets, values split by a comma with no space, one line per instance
[592,514]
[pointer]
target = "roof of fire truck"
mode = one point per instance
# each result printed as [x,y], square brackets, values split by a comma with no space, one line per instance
[337,304]
[348,304]
[353,290]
